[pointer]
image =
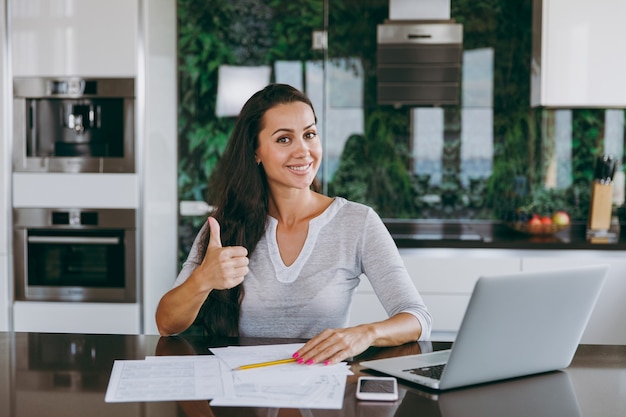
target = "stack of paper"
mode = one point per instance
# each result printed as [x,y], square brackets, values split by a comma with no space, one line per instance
[171,378]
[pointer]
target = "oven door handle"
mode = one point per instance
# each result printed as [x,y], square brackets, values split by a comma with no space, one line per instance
[77,239]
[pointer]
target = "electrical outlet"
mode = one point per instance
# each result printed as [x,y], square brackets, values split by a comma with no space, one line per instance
[320,39]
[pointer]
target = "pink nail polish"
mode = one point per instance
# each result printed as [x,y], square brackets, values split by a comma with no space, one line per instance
[326,363]
[300,360]
[309,362]
[295,355]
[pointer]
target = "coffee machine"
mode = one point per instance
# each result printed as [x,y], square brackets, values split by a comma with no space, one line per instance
[74,124]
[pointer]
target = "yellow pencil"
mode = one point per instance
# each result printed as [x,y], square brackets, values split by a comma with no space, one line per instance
[270,363]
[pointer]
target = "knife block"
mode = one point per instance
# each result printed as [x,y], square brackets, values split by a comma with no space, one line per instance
[601,206]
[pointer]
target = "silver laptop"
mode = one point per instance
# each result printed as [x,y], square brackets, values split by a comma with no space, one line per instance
[515,325]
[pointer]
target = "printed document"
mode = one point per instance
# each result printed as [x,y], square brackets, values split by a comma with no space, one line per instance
[166,378]
[213,377]
[288,385]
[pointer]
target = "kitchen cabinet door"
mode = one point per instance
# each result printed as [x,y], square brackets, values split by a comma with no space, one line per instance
[75,317]
[606,325]
[578,58]
[74,37]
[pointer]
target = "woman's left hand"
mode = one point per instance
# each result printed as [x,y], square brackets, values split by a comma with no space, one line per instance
[334,345]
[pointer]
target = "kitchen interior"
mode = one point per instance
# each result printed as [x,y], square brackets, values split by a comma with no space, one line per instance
[108,136]
[104,162]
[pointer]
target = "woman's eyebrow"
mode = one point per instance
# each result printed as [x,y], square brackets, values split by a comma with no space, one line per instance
[282,129]
[286,129]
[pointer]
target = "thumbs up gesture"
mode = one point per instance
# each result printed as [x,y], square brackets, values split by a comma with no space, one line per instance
[223,267]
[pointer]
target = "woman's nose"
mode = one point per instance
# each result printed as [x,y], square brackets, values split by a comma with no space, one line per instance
[301,148]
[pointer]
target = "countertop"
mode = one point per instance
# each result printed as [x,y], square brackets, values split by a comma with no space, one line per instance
[67,375]
[496,235]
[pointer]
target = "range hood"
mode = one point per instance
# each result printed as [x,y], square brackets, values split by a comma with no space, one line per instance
[419,55]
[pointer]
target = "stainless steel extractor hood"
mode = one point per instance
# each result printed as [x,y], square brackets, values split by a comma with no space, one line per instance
[419,61]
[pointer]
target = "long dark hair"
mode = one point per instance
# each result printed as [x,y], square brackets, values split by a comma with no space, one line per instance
[238,190]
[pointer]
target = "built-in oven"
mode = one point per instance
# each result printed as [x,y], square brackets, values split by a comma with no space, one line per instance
[63,254]
[73,124]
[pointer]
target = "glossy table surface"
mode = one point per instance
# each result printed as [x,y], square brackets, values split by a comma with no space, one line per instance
[67,375]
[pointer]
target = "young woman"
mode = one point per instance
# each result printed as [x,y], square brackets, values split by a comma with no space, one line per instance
[277,258]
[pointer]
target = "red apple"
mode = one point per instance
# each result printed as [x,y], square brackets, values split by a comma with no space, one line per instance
[546,220]
[534,221]
[561,218]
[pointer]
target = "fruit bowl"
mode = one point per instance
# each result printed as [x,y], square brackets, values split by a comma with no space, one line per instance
[537,229]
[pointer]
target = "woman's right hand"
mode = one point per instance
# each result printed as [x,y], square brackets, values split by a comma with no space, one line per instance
[222,267]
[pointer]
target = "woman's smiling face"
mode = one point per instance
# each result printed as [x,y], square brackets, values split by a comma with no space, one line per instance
[288,145]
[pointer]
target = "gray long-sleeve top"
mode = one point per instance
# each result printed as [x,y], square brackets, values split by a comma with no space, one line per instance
[315,292]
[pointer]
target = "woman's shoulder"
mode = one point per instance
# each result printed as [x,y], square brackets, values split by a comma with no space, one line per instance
[353,206]
[352,210]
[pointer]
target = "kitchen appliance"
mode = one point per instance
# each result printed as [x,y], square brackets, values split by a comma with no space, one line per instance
[73,124]
[63,254]
[419,62]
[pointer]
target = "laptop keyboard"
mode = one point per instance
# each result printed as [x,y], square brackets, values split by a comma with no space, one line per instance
[433,371]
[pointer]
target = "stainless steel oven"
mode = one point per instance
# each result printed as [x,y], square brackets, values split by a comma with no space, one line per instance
[73,124]
[75,254]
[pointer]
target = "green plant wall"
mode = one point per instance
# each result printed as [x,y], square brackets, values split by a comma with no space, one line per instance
[375,166]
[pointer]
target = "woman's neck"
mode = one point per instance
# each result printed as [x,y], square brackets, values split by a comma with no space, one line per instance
[294,207]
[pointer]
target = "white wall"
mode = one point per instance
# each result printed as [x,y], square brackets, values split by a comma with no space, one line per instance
[5,287]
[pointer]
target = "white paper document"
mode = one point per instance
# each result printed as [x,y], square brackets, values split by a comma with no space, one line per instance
[206,377]
[289,385]
[166,378]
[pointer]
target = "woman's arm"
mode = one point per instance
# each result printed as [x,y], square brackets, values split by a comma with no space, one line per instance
[221,268]
[386,272]
[179,307]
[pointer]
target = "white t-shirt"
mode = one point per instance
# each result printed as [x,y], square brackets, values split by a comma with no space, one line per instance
[314,293]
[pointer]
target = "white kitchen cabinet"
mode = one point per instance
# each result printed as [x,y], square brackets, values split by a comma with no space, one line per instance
[74,37]
[159,255]
[578,57]
[72,317]
[112,38]
[445,278]
[33,189]
[606,325]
